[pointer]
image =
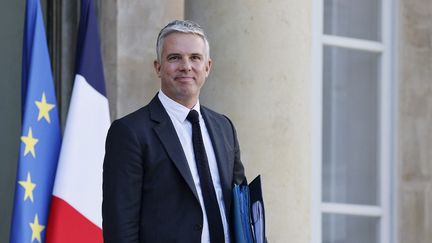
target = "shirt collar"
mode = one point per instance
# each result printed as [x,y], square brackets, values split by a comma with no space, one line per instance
[175,109]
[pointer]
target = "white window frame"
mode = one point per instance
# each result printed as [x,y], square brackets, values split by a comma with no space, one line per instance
[386,211]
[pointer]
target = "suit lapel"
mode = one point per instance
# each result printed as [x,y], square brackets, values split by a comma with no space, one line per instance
[219,147]
[168,136]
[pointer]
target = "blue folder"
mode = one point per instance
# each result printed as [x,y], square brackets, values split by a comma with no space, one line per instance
[249,217]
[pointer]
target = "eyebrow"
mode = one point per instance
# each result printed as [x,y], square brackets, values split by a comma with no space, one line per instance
[178,54]
[173,54]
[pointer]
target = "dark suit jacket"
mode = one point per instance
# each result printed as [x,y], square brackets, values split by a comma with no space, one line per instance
[148,191]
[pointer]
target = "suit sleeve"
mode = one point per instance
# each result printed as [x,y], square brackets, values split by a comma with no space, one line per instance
[238,171]
[122,185]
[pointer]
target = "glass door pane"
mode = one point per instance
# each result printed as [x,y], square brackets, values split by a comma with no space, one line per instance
[349,229]
[350,170]
[353,18]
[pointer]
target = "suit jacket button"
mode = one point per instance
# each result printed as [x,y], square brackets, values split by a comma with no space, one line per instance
[198,227]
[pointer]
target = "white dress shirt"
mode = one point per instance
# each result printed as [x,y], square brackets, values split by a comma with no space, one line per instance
[183,127]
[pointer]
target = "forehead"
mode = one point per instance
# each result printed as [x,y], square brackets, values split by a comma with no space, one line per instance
[183,43]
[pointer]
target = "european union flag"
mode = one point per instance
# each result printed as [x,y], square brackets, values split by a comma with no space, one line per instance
[40,137]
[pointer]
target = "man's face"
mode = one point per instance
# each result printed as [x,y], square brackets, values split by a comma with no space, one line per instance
[183,67]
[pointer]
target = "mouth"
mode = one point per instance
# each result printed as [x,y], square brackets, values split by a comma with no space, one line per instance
[184,79]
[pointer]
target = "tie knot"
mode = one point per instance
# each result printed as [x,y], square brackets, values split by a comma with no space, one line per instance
[193,116]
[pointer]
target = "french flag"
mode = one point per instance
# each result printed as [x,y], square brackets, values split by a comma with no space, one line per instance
[75,214]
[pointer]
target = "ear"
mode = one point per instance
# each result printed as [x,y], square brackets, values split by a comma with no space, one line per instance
[157,67]
[208,67]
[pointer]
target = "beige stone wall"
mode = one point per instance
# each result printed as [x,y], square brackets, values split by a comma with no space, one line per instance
[129,30]
[415,122]
[261,78]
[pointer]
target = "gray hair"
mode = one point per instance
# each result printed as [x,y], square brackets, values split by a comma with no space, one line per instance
[181,26]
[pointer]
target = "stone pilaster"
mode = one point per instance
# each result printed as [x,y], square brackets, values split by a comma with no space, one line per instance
[415,122]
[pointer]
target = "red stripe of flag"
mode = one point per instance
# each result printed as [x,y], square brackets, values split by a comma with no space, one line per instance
[72,226]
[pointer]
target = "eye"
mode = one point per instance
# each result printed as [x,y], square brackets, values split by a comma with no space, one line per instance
[173,58]
[196,57]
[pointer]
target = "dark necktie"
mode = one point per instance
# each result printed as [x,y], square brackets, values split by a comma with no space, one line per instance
[207,189]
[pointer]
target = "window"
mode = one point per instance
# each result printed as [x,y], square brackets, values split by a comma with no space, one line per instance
[353,98]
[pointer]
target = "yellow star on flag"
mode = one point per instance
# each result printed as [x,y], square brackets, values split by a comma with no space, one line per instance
[36,229]
[44,108]
[30,143]
[29,186]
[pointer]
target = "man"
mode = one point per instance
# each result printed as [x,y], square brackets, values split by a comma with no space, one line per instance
[170,166]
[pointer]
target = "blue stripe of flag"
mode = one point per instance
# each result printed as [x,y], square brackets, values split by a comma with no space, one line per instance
[88,59]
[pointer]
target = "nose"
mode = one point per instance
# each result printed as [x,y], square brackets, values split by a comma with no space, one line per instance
[186,65]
